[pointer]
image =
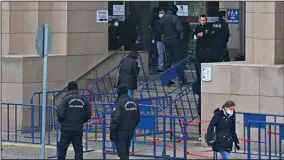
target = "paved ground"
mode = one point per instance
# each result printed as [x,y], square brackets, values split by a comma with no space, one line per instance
[13,150]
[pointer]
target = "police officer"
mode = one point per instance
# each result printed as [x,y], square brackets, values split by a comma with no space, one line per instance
[203,36]
[124,119]
[72,113]
[220,35]
[172,36]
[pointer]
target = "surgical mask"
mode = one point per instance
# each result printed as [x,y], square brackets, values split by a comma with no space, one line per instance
[230,112]
[161,15]
[116,24]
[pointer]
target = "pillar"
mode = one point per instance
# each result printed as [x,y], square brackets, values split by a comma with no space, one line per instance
[265,32]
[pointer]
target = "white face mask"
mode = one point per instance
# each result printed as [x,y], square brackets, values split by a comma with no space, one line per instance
[116,24]
[161,15]
[230,112]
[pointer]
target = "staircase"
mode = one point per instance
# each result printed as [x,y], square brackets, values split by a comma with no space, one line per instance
[184,101]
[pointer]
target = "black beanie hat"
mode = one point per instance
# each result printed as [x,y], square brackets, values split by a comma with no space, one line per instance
[121,90]
[72,86]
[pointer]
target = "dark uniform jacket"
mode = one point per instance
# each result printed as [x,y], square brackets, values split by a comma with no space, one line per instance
[203,42]
[125,116]
[171,28]
[73,111]
[225,127]
[156,32]
[127,34]
[220,33]
[128,72]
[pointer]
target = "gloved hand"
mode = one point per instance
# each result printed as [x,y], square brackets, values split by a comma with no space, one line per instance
[237,146]
[112,136]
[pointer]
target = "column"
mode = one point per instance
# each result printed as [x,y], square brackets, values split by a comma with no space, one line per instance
[265,32]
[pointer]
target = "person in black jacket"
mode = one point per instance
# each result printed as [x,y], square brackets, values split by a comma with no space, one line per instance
[172,35]
[203,34]
[160,45]
[127,34]
[220,38]
[187,37]
[129,71]
[72,113]
[113,35]
[124,119]
[223,127]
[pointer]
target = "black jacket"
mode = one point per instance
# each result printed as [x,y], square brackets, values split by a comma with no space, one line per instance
[220,33]
[113,37]
[125,116]
[225,127]
[156,32]
[187,32]
[128,72]
[171,28]
[204,42]
[74,110]
[127,34]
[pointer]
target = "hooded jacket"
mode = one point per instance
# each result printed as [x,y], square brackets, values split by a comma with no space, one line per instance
[225,129]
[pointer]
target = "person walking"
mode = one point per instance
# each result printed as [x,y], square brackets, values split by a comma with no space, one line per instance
[129,71]
[74,110]
[221,132]
[124,119]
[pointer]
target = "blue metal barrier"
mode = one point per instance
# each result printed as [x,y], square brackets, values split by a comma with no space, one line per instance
[246,118]
[277,142]
[157,146]
[26,131]
[147,106]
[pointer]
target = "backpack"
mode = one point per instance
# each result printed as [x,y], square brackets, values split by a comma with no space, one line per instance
[214,136]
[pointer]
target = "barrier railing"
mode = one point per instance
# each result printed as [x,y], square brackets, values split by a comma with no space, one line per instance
[277,142]
[155,144]
[164,78]
[19,123]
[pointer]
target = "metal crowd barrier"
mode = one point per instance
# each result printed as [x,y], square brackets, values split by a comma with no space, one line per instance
[156,144]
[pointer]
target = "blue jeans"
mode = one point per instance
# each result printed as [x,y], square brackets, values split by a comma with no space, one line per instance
[225,155]
[130,93]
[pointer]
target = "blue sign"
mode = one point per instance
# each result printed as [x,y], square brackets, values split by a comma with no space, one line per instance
[42,38]
[233,16]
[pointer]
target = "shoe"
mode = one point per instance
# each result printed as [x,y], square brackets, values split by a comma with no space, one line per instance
[171,83]
[159,71]
[185,83]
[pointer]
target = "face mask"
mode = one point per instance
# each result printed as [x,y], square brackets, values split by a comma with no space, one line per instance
[230,112]
[116,24]
[161,15]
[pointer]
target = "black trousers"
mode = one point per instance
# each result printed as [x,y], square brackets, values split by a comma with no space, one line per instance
[122,144]
[67,137]
[174,54]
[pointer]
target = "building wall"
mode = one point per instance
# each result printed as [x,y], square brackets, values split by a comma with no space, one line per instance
[78,43]
[257,84]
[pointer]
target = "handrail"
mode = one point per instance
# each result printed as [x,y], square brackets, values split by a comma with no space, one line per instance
[93,67]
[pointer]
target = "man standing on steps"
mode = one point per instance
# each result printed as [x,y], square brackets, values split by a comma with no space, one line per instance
[129,71]
[172,36]
[124,119]
[73,111]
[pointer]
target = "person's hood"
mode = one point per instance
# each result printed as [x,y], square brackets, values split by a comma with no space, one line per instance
[217,109]
[73,91]
[171,12]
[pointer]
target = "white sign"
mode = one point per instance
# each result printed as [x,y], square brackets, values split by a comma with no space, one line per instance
[118,10]
[212,19]
[182,10]
[102,16]
[206,73]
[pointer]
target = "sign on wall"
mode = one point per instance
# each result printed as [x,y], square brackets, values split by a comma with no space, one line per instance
[102,16]
[233,16]
[182,10]
[118,10]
